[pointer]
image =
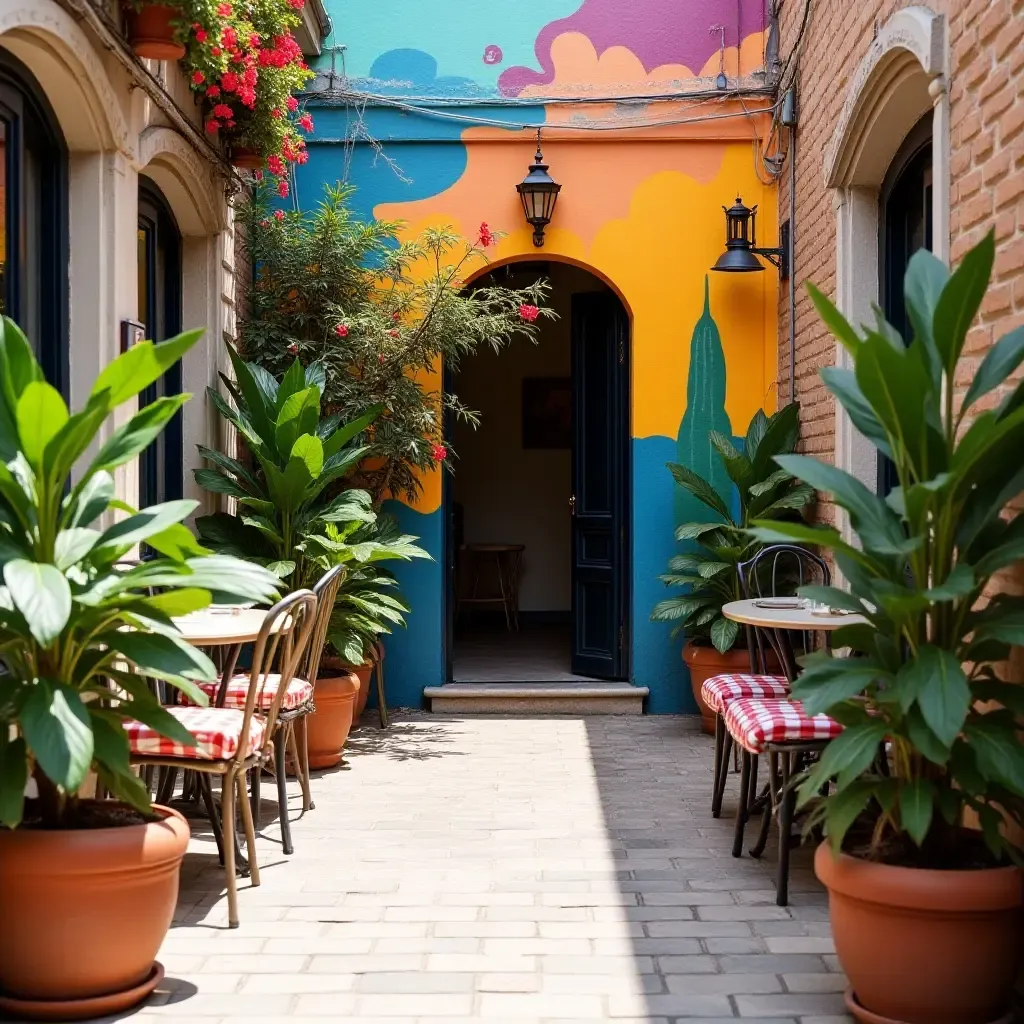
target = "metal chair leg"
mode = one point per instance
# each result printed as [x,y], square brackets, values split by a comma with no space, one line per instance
[307,793]
[721,766]
[165,786]
[282,790]
[787,805]
[741,808]
[382,704]
[250,831]
[296,755]
[206,792]
[769,808]
[255,793]
[227,804]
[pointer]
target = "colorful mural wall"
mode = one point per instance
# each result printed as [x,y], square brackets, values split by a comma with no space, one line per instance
[431,112]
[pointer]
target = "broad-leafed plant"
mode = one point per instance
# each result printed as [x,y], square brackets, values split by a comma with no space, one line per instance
[925,681]
[709,572]
[72,622]
[283,498]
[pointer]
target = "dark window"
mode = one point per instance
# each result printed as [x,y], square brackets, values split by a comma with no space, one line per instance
[34,228]
[159,268]
[906,226]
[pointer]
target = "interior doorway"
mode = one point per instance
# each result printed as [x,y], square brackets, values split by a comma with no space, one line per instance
[537,509]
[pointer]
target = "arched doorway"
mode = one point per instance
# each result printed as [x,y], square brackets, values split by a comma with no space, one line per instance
[159,305]
[34,227]
[537,511]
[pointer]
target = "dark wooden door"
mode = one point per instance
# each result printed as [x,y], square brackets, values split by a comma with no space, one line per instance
[600,480]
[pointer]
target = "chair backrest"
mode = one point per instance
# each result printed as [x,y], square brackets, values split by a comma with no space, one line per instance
[282,639]
[326,590]
[775,571]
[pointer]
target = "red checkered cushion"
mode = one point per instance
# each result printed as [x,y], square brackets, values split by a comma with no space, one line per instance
[217,732]
[718,691]
[754,724]
[299,692]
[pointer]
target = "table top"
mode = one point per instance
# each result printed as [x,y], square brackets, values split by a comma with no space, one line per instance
[750,614]
[208,628]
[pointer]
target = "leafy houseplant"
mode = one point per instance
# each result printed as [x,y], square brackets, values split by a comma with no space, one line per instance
[709,572]
[381,316]
[71,623]
[925,679]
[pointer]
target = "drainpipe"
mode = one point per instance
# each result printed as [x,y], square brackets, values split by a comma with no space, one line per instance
[788,118]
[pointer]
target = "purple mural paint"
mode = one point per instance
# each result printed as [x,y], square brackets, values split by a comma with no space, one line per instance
[656,31]
[493,54]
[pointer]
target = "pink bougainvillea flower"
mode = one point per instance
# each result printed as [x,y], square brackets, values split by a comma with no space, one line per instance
[293,349]
[216,51]
[279,215]
[224,10]
[223,110]
[528,313]
[393,333]
[212,125]
[213,92]
[274,165]
[277,113]
[229,81]
[341,331]
[486,237]
[293,104]
[254,41]
[306,121]
[396,317]
[229,37]
[201,35]
[297,4]
[302,157]
[198,78]
[438,452]
[282,188]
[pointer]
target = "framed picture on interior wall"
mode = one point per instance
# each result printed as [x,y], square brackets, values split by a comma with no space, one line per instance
[547,412]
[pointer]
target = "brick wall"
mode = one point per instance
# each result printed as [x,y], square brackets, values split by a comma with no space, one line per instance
[986,89]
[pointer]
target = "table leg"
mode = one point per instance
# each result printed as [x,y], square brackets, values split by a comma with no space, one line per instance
[500,565]
[225,677]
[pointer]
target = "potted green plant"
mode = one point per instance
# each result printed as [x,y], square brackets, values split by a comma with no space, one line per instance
[709,571]
[88,887]
[156,31]
[926,910]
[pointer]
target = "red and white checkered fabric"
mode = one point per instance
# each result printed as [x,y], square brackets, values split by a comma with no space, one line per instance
[218,733]
[718,691]
[299,692]
[754,724]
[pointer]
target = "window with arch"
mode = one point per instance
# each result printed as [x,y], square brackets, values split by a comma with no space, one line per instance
[905,225]
[34,211]
[159,270]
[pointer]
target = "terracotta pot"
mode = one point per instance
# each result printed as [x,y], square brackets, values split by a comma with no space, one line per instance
[921,946]
[328,727]
[85,911]
[704,661]
[363,672]
[246,159]
[151,33]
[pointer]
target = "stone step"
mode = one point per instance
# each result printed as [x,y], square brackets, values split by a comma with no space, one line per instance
[536,698]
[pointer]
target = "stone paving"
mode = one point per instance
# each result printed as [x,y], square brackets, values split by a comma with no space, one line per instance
[522,870]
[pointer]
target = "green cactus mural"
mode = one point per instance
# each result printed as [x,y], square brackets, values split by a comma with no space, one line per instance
[705,411]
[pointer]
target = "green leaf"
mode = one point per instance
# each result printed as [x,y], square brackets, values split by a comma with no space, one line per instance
[42,595]
[294,381]
[177,542]
[146,709]
[843,809]
[73,545]
[138,433]
[959,583]
[916,803]
[13,778]
[999,752]
[298,417]
[924,739]
[700,489]
[216,482]
[852,752]
[961,299]
[923,282]
[1000,361]
[842,382]
[56,727]
[131,531]
[41,414]
[305,465]
[232,467]
[162,657]
[96,494]
[834,320]
[945,696]
[143,364]
[826,683]
[724,633]
[258,410]
[343,435]
[179,602]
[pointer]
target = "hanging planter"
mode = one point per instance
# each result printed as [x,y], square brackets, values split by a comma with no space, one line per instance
[246,159]
[152,31]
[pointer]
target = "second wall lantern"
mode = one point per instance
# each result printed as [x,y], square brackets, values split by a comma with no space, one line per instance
[539,193]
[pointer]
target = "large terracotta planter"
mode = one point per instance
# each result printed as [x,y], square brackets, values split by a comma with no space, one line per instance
[328,727]
[363,672]
[151,32]
[84,914]
[246,159]
[704,661]
[924,947]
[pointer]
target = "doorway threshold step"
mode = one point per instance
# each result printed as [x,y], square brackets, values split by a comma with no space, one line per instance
[537,698]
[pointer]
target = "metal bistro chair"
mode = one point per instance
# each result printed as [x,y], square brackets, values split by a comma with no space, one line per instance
[232,741]
[777,727]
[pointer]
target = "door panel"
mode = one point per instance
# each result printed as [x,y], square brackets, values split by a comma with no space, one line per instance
[600,474]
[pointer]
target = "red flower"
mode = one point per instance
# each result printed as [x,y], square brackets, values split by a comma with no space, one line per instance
[258,175]
[341,331]
[215,51]
[486,237]
[228,81]
[393,333]
[279,215]
[293,349]
[264,223]
[247,96]
[395,317]
[229,37]
[293,104]
[528,313]
[198,77]
[274,165]
[297,4]
[224,10]
[277,113]
[250,76]
[213,92]
[302,157]
[212,125]
[380,358]
[306,121]
[438,452]
[282,188]
[223,110]
[201,35]
[254,41]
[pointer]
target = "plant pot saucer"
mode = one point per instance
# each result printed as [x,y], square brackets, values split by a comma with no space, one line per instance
[867,1017]
[82,1009]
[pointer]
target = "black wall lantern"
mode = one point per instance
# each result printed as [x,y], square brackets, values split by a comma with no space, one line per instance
[741,249]
[539,192]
